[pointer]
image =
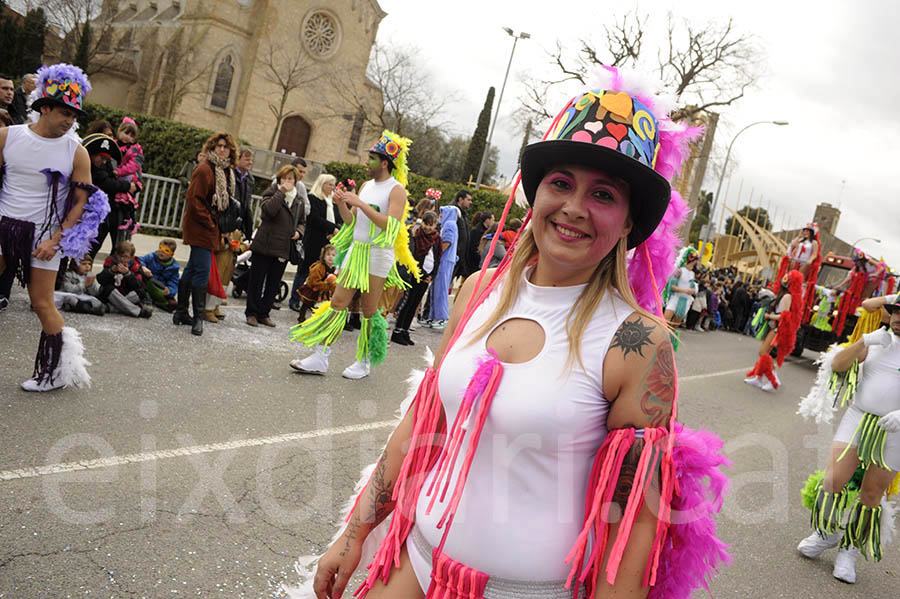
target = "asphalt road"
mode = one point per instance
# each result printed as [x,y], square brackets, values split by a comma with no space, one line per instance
[204,466]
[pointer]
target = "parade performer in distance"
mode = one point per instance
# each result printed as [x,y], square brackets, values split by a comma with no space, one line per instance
[563,344]
[783,318]
[49,209]
[860,283]
[681,287]
[848,501]
[370,244]
[804,254]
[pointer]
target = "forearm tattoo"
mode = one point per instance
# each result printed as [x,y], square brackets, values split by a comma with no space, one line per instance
[380,492]
[658,386]
[632,337]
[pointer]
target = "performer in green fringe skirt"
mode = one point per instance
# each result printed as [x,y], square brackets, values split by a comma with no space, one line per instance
[848,503]
[371,243]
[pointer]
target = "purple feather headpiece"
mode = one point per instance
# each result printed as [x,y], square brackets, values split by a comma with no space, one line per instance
[674,148]
[76,241]
[61,84]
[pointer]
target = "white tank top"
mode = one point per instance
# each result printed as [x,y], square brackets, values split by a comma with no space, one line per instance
[879,386]
[802,251]
[686,279]
[25,192]
[523,503]
[376,195]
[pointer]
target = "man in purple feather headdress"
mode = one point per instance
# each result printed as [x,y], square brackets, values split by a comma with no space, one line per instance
[49,209]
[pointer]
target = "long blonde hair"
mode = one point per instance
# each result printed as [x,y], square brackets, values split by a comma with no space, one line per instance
[321,180]
[611,272]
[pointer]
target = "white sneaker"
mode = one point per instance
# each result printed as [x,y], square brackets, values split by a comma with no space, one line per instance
[845,565]
[315,363]
[813,545]
[33,385]
[766,385]
[439,325]
[777,380]
[752,380]
[358,370]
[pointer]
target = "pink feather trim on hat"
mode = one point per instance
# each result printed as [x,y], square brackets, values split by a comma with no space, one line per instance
[128,120]
[674,148]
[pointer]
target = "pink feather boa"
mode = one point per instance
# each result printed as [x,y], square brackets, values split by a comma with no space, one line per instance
[693,552]
[674,148]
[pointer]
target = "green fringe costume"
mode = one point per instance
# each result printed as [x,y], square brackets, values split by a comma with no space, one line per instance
[326,324]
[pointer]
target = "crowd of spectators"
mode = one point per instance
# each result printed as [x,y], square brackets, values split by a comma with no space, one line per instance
[725,302]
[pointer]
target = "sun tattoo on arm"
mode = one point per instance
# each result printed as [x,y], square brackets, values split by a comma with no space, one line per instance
[632,337]
[657,389]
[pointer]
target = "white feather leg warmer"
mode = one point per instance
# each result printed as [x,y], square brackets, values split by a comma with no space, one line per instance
[72,368]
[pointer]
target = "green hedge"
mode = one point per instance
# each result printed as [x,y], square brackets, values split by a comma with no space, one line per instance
[167,144]
[482,199]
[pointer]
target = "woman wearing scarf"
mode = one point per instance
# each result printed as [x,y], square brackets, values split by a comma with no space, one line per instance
[283,222]
[208,194]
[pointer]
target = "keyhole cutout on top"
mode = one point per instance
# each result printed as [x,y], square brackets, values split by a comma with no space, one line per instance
[517,340]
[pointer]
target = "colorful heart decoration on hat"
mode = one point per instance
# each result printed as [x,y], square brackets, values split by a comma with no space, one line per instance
[595,117]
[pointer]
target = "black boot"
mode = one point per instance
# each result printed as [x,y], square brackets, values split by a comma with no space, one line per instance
[181,316]
[354,321]
[198,302]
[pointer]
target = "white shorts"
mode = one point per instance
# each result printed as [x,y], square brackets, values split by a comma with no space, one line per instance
[381,260]
[52,263]
[846,434]
[680,303]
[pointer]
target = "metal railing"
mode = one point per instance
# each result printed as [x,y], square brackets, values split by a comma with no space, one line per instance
[161,204]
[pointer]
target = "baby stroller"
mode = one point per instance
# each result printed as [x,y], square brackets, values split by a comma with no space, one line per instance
[241,278]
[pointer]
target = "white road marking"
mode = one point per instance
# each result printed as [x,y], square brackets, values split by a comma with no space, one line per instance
[134,458]
[697,377]
[186,451]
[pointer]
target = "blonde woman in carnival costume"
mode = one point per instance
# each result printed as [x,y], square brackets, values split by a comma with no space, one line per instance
[372,240]
[48,210]
[539,457]
[849,501]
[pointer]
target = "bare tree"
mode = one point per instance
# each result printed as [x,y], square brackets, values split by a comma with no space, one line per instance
[408,93]
[702,66]
[179,70]
[288,71]
[623,43]
[70,16]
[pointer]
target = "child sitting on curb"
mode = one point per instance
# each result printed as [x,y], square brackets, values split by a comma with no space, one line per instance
[161,272]
[319,283]
[80,289]
[121,282]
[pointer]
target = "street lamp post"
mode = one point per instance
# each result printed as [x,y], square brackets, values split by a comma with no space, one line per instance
[715,201]
[522,36]
[854,245]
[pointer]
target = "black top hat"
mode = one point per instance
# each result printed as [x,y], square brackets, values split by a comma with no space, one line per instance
[98,143]
[617,133]
[893,306]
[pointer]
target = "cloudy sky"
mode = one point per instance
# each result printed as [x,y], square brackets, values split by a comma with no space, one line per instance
[830,69]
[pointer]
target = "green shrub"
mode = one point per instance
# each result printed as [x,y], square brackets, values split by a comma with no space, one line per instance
[167,144]
[482,199]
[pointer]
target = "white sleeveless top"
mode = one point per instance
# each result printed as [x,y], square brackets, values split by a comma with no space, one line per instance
[802,251]
[25,192]
[523,503]
[376,195]
[879,385]
[686,279]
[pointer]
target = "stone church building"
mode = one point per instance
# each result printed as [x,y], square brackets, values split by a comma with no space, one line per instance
[236,65]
